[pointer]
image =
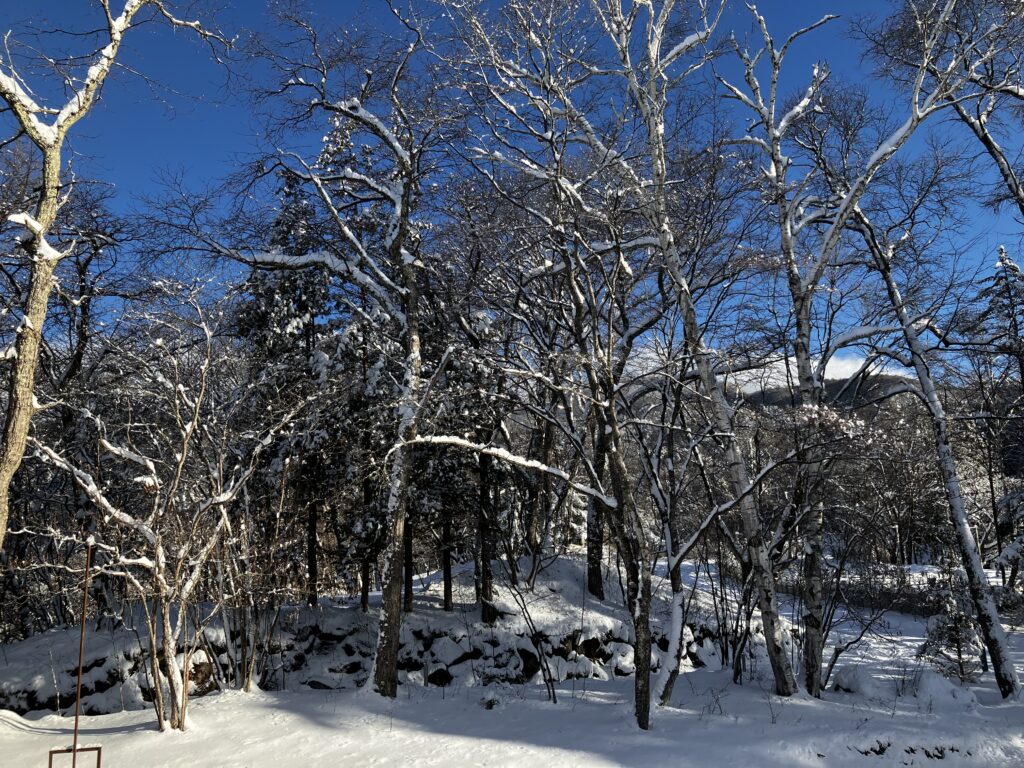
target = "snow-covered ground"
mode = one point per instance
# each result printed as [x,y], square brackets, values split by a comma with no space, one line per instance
[710,723]
[900,713]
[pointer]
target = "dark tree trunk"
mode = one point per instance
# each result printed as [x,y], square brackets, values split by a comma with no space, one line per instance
[407,545]
[364,585]
[813,595]
[446,560]
[595,533]
[485,522]
[368,500]
[638,587]
[312,523]
[626,524]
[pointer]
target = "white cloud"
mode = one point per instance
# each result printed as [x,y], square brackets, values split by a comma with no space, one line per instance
[782,373]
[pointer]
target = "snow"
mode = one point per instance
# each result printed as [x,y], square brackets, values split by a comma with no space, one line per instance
[354,109]
[712,724]
[898,711]
[689,42]
[857,679]
[16,95]
[44,250]
[937,692]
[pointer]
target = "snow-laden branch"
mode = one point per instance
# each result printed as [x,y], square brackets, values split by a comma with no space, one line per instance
[276,259]
[43,249]
[88,485]
[129,455]
[50,135]
[353,109]
[517,460]
[852,336]
[1011,554]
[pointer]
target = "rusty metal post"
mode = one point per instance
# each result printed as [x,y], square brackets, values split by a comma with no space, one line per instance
[81,662]
[97,750]
[81,653]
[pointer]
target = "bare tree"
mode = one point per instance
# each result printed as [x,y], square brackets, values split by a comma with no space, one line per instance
[885,244]
[47,128]
[808,221]
[181,459]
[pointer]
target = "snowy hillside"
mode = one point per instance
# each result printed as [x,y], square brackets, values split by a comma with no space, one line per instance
[894,709]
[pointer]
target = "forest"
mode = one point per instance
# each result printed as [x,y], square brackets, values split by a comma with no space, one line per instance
[672,348]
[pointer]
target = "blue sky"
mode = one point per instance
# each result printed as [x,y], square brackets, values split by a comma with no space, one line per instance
[190,118]
[187,116]
[182,112]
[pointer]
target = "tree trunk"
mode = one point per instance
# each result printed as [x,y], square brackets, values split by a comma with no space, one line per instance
[638,587]
[154,662]
[724,417]
[21,385]
[992,631]
[368,499]
[981,592]
[740,482]
[629,534]
[408,569]
[666,680]
[446,560]
[364,585]
[485,524]
[385,665]
[595,533]
[49,138]
[175,683]
[813,595]
[809,471]
[312,576]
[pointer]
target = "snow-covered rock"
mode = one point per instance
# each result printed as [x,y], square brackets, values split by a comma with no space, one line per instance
[935,692]
[857,679]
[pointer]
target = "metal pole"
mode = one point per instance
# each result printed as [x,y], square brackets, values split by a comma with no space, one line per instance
[81,653]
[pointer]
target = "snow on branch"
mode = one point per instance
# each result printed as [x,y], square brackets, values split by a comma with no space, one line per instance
[88,485]
[515,459]
[353,109]
[44,250]
[1010,554]
[29,113]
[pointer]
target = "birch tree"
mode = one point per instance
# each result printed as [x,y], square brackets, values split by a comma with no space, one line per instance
[810,228]
[379,145]
[649,66]
[528,74]
[891,236]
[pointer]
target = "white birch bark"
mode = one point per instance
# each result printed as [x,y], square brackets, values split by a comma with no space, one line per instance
[993,633]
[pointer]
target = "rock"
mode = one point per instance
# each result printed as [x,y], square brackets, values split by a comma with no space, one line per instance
[439,677]
[333,634]
[409,664]
[318,685]
[352,668]
[937,692]
[471,655]
[201,676]
[595,650]
[531,665]
[447,651]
